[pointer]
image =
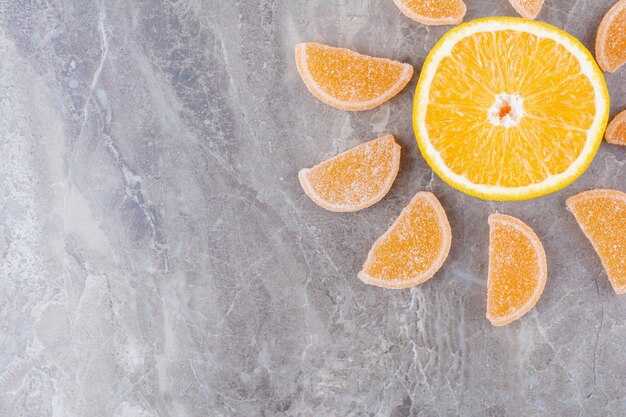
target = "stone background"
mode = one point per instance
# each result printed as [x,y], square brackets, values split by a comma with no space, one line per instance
[158,257]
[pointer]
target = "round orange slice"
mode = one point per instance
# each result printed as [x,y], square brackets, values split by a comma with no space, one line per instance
[509,108]
[413,248]
[601,214]
[433,12]
[527,8]
[348,80]
[616,131]
[611,38]
[355,179]
[517,269]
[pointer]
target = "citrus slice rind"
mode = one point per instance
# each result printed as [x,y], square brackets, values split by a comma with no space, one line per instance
[519,239]
[527,8]
[601,214]
[451,12]
[593,134]
[616,131]
[354,179]
[348,80]
[413,249]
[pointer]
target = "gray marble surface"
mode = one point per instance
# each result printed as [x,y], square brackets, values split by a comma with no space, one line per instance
[158,257]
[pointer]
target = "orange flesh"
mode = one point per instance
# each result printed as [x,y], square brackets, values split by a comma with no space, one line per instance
[541,72]
[415,245]
[516,270]
[356,177]
[602,216]
[348,76]
[435,9]
[611,38]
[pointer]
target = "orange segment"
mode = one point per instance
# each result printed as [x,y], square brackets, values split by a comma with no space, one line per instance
[527,8]
[517,269]
[433,12]
[355,179]
[616,132]
[611,38]
[413,248]
[348,80]
[601,214]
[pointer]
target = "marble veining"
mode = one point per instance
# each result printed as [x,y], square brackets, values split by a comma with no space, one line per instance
[158,257]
